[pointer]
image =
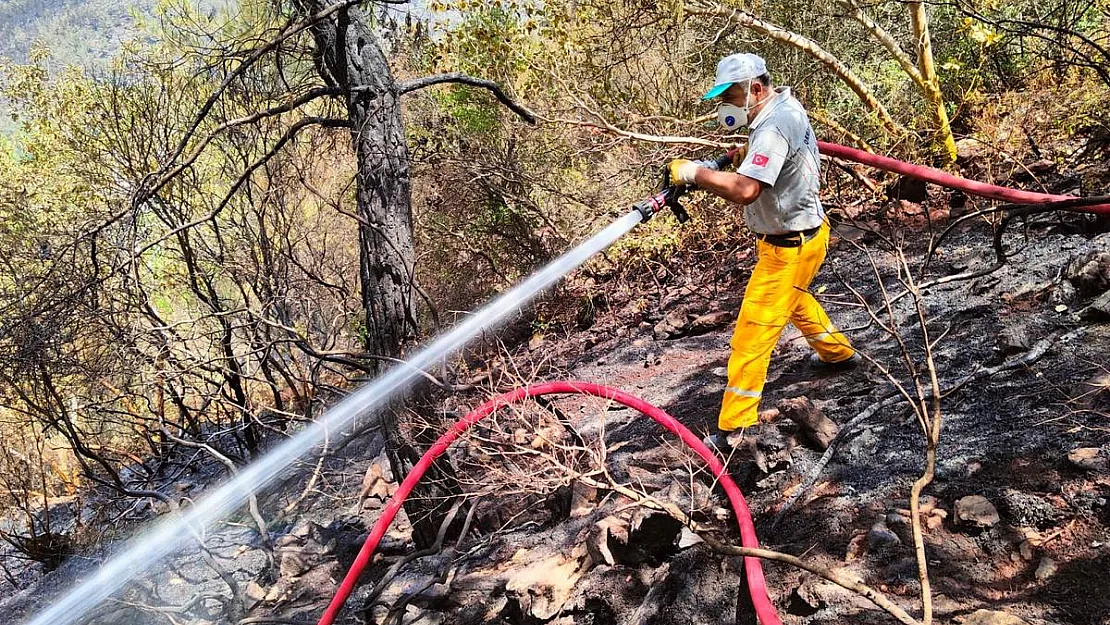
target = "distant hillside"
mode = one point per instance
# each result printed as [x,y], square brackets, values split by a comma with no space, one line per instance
[79,32]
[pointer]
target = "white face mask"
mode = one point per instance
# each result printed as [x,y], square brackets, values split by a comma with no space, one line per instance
[733,117]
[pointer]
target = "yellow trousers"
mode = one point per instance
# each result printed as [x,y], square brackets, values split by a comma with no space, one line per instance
[777,293]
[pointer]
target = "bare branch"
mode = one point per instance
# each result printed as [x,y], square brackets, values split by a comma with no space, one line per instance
[843,581]
[407,86]
[255,55]
[271,112]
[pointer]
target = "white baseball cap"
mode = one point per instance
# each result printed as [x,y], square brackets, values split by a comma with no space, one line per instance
[736,68]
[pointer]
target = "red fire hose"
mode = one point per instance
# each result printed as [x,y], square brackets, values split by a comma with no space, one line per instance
[756,583]
[936,176]
[754,572]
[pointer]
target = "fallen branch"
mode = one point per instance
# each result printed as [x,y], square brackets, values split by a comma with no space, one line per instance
[1039,349]
[856,586]
[845,430]
[252,500]
[416,555]
[275,620]
[843,581]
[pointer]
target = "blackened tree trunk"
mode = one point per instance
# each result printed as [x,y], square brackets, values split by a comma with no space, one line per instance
[349,57]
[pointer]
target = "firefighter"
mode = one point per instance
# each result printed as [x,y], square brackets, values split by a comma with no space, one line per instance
[778,184]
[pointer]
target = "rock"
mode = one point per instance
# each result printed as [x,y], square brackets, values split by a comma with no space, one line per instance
[900,525]
[305,528]
[991,617]
[688,538]
[253,594]
[1099,310]
[1089,459]
[1046,569]
[815,427]
[943,605]
[183,488]
[1025,550]
[772,450]
[928,503]
[1041,165]
[535,342]
[720,372]
[709,322]
[881,538]
[1063,294]
[673,325]
[375,488]
[934,519]
[543,587]
[939,216]
[805,601]
[909,208]
[975,510]
[1013,339]
[856,546]
[969,149]
[905,211]
[601,535]
[416,616]
[292,564]
[1090,273]
[277,592]
[583,499]
[1024,509]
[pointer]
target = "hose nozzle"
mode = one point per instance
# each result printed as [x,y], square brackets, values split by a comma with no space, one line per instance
[667,198]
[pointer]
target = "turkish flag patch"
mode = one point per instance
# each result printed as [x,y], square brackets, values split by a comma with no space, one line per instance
[760,160]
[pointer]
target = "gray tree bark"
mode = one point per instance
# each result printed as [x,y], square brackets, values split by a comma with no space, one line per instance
[348,56]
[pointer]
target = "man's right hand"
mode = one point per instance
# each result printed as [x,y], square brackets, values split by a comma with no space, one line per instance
[739,155]
[735,156]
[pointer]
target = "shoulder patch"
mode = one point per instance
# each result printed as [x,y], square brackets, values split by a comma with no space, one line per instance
[760,160]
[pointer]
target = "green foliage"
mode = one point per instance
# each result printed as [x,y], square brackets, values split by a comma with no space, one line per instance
[472,111]
[82,33]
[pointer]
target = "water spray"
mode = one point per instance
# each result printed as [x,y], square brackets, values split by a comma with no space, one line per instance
[169,534]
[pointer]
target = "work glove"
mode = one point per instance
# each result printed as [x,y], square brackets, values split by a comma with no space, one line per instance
[739,156]
[681,171]
[736,158]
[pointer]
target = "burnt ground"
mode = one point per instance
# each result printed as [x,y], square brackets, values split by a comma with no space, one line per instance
[1005,437]
[546,548]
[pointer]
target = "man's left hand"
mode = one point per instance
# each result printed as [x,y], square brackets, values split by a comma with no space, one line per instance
[682,171]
